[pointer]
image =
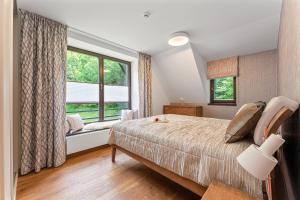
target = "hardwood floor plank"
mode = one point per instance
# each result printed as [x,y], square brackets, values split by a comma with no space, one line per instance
[93,176]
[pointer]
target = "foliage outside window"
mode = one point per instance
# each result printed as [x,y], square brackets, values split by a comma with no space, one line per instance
[98,87]
[223,91]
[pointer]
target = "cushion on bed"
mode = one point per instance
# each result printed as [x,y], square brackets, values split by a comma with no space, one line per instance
[75,122]
[244,121]
[249,104]
[272,108]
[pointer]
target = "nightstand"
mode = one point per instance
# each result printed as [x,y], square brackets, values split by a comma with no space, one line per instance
[220,191]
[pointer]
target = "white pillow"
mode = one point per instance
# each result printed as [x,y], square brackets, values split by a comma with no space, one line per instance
[126,115]
[75,122]
[274,105]
[67,127]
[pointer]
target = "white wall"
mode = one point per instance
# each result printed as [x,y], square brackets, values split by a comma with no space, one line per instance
[6,99]
[159,95]
[289,50]
[81,142]
[179,75]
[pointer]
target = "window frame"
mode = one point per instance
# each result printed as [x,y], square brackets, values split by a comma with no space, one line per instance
[101,59]
[213,101]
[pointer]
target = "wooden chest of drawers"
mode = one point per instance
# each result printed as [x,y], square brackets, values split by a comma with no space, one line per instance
[190,110]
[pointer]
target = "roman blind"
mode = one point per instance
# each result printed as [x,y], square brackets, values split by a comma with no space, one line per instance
[222,68]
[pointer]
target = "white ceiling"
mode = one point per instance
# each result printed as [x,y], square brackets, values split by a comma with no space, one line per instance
[218,28]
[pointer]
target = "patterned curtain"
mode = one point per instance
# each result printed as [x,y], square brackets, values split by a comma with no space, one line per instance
[145,85]
[43,60]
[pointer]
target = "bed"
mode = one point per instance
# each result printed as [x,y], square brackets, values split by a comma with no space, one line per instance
[188,150]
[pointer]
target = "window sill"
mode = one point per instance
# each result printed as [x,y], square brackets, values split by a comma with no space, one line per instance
[222,104]
[100,128]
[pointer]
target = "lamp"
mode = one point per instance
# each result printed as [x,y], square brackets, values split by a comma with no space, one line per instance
[178,39]
[259,161]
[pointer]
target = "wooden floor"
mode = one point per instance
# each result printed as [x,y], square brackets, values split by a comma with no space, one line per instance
[93,176]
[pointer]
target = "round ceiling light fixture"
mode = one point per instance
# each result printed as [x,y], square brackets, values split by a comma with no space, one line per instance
[147,14]
[178,39]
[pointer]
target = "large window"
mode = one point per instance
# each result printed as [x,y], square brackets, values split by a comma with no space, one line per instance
[98,87]
[223,91]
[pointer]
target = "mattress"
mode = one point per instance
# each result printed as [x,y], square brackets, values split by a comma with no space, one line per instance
[192,147]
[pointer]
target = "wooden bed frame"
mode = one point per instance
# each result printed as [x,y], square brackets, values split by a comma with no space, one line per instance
[286,176]
[191,185]
[275,123]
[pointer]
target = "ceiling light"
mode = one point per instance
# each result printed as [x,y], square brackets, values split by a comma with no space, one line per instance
[147,14]
[178,39]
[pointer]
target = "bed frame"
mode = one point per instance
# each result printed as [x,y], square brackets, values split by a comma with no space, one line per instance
[286,175]
[275,123]
[191,185]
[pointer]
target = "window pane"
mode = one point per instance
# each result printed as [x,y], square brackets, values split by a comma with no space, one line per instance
[112,111]
[88,112]
[115,88]
[223,88]
[83,86]
[82,68]
[115,73]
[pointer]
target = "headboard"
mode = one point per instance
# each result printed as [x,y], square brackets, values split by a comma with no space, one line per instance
[286,175]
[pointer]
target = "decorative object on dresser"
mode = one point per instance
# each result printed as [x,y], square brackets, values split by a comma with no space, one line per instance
[183,109]
[220,191]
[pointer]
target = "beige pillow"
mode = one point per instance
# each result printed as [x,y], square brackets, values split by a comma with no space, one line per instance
[244,121]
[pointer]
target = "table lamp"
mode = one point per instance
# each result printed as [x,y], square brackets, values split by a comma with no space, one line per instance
[259,161]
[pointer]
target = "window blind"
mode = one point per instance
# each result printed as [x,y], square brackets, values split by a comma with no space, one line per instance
[222,68]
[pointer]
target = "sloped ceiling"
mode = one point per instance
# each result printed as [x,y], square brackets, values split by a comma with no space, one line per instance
[218,28]
[182,75]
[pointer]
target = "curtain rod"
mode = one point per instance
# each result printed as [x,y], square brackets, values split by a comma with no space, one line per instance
[75,30]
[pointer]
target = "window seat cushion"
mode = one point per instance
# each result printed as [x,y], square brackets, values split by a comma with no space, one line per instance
[99,125]
[94,127]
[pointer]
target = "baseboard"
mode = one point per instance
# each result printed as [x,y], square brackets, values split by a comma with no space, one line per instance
[87,151]
[16,176]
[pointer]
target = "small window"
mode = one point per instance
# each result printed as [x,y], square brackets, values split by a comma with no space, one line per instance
[223,91]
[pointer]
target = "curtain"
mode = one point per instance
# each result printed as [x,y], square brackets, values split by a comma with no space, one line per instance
[42,63]
[145,85]
[222,68]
